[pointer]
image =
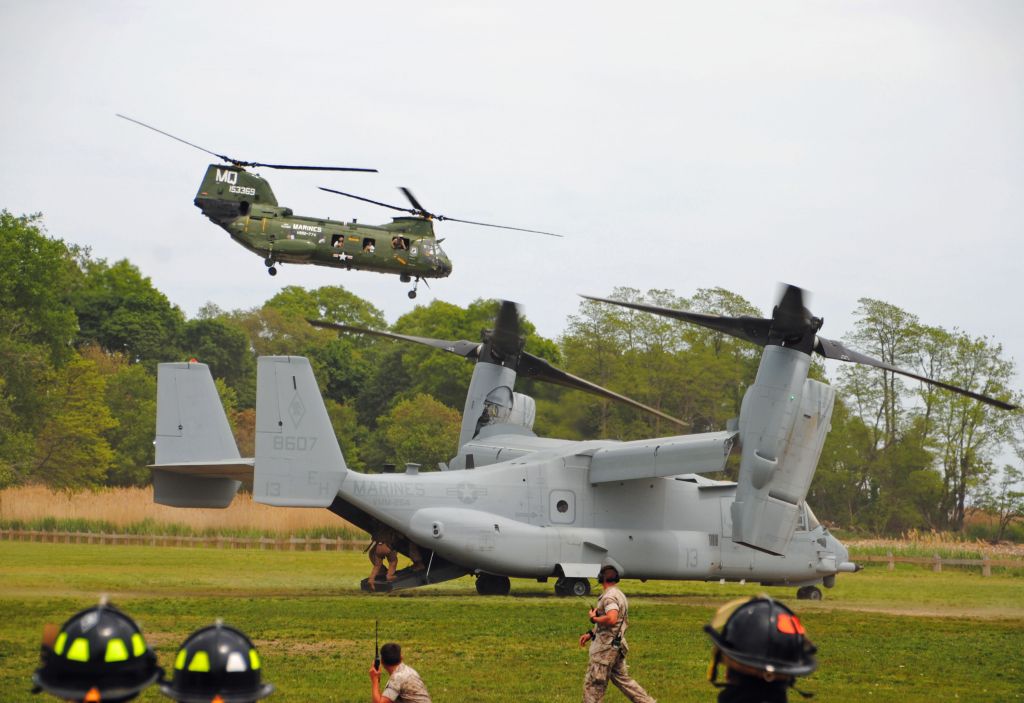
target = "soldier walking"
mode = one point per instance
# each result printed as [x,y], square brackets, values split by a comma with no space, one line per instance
[608,644]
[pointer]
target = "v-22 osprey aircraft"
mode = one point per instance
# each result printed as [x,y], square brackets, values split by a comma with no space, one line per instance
[512,504]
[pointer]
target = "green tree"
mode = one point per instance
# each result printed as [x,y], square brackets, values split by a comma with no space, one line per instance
[421,430]
[1003,498]
[224,346]
[71,450]
[119,309]
[39,277]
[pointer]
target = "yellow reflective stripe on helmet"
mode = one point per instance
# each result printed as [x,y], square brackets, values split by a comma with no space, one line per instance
[116,651]
[179,661]
[254,659]
[79,650]
[58,646]
[138,645]
[200,662]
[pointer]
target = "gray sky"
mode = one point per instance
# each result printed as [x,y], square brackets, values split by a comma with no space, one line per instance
[857,149]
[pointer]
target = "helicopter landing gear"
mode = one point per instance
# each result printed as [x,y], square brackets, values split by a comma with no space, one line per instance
[272,270]
[491,585]
[405,278]
[808,593]
[269,263]
[412,293]
[572,587]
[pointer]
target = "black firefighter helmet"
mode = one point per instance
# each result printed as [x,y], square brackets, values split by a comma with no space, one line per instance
[217,663]
[764,635]
[99,656]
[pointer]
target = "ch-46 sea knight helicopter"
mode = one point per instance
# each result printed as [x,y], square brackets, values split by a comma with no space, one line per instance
[243,205]
[511,503]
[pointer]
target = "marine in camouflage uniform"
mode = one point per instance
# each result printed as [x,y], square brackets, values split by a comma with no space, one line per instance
[404,683]
[608,646]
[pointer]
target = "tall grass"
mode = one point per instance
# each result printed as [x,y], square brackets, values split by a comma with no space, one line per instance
[132,510]
[948,545]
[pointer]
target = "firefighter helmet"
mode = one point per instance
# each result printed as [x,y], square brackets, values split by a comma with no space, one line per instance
[763,634]
[99,655]
[217,663]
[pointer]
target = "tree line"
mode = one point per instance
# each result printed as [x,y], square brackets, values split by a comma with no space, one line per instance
[80,339]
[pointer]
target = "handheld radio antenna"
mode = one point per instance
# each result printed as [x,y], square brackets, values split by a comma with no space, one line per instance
[376,646]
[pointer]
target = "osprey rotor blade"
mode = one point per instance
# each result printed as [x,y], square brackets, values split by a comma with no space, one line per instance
[793,326]
[464,348]
[751,329]
[535,367]
[831,349]
[238,162]
[367,200]
[505,337]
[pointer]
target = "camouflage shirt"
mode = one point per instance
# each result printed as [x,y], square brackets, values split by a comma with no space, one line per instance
[601,647]
[406,686]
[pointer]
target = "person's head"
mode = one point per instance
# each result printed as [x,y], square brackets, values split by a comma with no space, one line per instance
[98,655]
[391,656]
[759,638]
[218,663]
[608,576]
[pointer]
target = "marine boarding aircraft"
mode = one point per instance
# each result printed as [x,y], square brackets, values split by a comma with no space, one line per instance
[512,504]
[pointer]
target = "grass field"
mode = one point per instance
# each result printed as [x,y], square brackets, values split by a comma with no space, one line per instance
[909,635]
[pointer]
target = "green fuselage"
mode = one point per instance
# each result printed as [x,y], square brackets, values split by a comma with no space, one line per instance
[243,205]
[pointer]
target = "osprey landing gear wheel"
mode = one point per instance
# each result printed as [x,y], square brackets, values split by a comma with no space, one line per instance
[491,585]
[808,593]
[572,587]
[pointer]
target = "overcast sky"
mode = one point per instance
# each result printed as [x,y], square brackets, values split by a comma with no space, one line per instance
[857,149]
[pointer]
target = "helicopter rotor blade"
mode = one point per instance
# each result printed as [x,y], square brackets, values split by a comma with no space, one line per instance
[791,322]
[243,164]
[367,200]
[830,349]
[505,339]
[462,347]
[178,139]
[442,218]
[415,203]
[750,329]
[532,366]
[256,164]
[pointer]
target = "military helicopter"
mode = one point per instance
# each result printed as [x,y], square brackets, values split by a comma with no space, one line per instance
[512,504]
[243,205]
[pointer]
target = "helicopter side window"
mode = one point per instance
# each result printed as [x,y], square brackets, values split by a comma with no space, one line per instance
[400,243]
[338,240]
[369,245]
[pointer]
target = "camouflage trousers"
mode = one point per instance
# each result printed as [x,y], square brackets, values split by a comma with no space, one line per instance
[595,683]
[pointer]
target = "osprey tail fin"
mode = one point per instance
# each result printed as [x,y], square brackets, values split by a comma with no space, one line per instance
[298,460]
[197,461]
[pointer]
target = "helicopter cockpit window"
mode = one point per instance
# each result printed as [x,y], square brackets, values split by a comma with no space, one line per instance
[369,245]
